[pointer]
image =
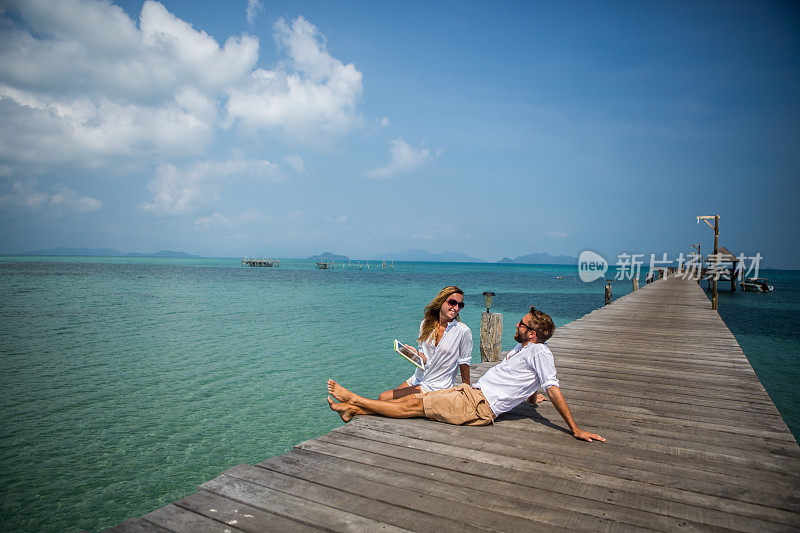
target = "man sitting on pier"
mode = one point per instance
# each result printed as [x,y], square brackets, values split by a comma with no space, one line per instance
[525,369]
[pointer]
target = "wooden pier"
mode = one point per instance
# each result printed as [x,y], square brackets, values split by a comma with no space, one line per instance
[260,262]
[694,442]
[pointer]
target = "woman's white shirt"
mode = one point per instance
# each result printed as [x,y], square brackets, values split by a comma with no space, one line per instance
[441,368]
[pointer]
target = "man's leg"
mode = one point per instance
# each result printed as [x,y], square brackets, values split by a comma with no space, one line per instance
[347,411]
[407,407]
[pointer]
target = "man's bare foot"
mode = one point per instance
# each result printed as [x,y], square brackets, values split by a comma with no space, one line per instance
[339,392]
[537,398]
[343,409]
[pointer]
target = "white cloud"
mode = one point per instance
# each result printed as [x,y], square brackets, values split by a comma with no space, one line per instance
[558,235]
[296,162]
[385,121]
[254,7]
[312,101]
[59,200]
[404,160]
[215,221]
[178,191]
[255,227]
[83,83]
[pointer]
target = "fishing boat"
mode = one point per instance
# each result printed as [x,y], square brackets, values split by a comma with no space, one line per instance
[756,285]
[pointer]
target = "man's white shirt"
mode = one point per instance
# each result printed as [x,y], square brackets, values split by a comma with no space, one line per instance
[441,368]
[518,376]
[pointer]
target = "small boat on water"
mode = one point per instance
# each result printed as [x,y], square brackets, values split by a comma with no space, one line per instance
[756,285]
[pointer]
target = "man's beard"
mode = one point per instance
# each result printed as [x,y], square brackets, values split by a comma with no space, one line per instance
[518,337]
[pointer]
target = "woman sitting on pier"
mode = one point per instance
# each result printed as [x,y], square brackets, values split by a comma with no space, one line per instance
[444,344]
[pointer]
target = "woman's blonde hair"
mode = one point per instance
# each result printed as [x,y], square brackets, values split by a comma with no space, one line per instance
[432,311]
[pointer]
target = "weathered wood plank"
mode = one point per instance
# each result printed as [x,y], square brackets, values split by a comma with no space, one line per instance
[533,505]
[543,485]
[180,520]
[528,472]
[445,511]
[762,495]
[291,506]
[237,514]
[136,525]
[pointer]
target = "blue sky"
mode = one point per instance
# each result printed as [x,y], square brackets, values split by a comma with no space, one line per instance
[493,129]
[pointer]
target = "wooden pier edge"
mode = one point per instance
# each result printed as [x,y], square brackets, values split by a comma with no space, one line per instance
[694,441]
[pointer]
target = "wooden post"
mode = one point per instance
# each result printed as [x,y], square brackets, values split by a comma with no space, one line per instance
[636,284]
[714,297]
[608,291]
[491,336]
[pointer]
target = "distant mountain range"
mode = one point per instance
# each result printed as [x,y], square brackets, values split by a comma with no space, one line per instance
[542,259]
[105,252]
[415,254]
[327,256]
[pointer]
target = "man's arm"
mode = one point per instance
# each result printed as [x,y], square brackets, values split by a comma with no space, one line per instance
[464,374]
[554,393]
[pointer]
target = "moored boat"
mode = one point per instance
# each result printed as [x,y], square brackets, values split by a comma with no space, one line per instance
[756,285]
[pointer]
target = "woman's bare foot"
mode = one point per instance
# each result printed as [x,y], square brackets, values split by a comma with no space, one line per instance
[343,409]
[339,392]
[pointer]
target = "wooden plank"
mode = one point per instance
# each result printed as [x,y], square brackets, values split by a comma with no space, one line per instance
[768,503]
[521,484]
[136,525]
[561,448]
[403,514]
[238,514]
[446,512]
[529,472]
[291,506]
[180,520]
[532,505]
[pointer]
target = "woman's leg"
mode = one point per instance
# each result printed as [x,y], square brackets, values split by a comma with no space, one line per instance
[405,389]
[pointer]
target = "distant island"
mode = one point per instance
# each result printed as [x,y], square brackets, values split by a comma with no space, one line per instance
[327,256]
[415,254]
[106,252]
[542,259]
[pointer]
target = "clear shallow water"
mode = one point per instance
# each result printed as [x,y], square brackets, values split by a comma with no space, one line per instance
[128,382]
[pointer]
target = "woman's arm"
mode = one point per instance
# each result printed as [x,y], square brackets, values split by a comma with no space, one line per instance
[420,353]
[464,374]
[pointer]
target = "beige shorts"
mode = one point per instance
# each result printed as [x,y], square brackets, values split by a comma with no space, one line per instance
[459,405]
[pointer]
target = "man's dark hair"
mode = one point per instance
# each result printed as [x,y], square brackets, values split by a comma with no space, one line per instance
[542,325]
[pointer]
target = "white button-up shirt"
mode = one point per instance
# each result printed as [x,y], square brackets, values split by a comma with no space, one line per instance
[441,368]
[515,378]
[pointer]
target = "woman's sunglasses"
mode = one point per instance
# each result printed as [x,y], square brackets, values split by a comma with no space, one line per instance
[453,302]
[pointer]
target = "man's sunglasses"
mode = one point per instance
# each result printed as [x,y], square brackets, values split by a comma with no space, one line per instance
[453,302]
[523,324]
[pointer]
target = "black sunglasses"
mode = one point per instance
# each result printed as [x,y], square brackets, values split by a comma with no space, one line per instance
[523,324]
[454,302]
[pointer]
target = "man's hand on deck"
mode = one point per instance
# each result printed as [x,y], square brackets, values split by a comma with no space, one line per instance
[585,435]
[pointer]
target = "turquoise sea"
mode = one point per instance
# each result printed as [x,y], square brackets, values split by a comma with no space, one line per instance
[125,383]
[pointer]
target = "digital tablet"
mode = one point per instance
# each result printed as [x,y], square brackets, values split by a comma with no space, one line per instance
[409,355]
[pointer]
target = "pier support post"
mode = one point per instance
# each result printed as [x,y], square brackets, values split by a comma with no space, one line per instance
[491,336]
